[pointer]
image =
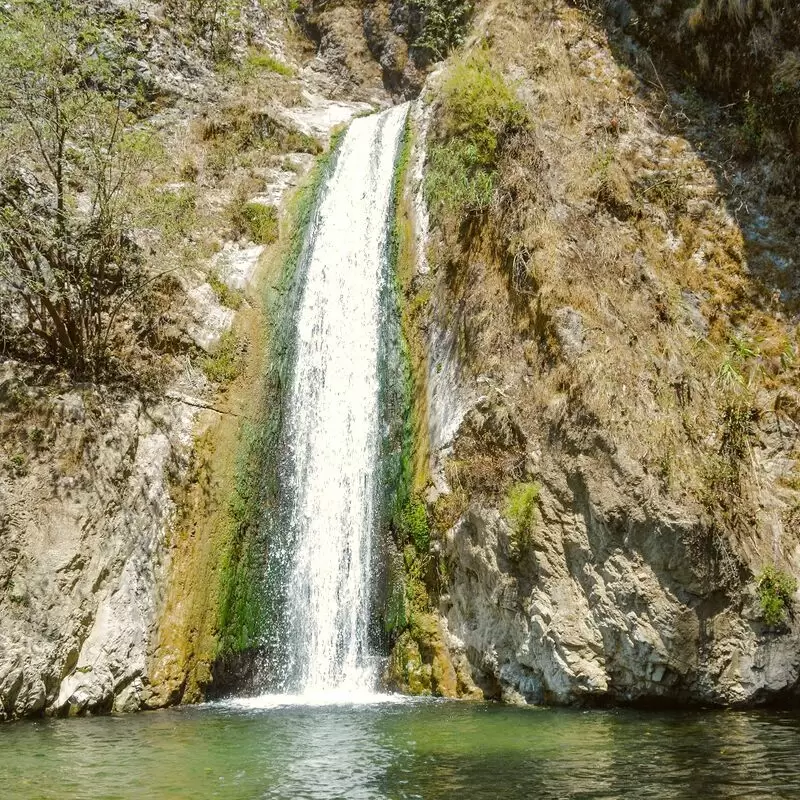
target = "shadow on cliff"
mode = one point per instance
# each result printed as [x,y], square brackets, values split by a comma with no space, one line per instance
[748,144]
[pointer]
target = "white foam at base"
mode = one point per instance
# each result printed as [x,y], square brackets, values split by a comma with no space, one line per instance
[318,700]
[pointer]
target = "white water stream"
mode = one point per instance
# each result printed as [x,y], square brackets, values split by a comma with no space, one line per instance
[332,430]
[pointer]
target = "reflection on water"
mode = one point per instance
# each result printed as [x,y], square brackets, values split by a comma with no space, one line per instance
[427,750]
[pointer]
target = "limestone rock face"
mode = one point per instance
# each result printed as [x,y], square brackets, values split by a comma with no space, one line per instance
[567,369]
[359,42]
[83,536]
[597,612]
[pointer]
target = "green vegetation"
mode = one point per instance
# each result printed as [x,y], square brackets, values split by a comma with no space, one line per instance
[72,156]
[444,25]
[479,114]
[261,59]
[225,364]
[521,511]
[257,221]
[18,464]
[396,612]
[247,608]
[776,590]
[260,222]
[232,298]
[740,363]
[414,526]
[171,211]
[407,593]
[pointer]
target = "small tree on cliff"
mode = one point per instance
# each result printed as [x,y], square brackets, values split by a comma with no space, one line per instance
[72,284]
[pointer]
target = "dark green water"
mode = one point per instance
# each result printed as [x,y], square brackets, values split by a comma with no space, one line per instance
[420,750]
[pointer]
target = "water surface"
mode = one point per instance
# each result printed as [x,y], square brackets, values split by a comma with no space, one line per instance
[425,750]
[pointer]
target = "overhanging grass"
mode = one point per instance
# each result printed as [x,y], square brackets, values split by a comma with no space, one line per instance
[478,113]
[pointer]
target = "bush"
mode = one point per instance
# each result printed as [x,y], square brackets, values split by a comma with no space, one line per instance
[444,24]
[171,211]
[414,525]
[776,590]
[479,114]
[75,291]
[521,511]
[225,364]
[261,222]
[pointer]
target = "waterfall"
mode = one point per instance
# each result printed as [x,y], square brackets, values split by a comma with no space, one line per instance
[332,428]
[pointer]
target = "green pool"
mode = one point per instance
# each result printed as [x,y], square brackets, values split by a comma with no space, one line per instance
[403,750]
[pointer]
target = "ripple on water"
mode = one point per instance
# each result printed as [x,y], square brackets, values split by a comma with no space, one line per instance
[383,746]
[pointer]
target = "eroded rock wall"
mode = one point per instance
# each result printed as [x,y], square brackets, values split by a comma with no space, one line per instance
[84,549]
[552,364]
[112,529]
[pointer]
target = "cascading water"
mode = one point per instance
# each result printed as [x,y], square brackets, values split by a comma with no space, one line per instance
[332,429]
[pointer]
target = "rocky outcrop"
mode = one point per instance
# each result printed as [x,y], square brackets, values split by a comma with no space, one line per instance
[558,371]
[396,39]
[110,535]
[84,548]
[610,604]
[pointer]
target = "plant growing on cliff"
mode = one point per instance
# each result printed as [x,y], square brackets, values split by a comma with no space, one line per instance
[75,293]
[260,59]
[414,525]
[245,613]
[444,25]
[521,511]
[225,363]
[260,222]
[212,23]
[479,115]
[776,591]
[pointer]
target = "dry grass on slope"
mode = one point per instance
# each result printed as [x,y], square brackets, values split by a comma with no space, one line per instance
[607,291]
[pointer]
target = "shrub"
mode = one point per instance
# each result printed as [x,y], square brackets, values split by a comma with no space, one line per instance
[444,24]
[521,512]
[261,222]
[414,525]
[225,364]
[260,59]
[479,113]
[75,290]
[776,590]
[172,211]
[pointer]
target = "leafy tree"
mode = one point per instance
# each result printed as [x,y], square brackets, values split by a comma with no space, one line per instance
[72,282]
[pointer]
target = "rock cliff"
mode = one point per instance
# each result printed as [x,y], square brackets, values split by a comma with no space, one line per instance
[600,297]
[597,536]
